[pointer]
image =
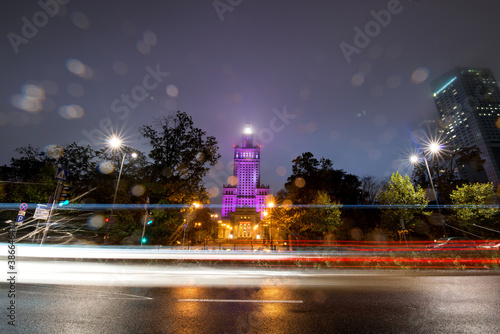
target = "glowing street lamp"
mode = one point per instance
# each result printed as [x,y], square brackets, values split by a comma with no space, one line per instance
[433,148]
[116,144]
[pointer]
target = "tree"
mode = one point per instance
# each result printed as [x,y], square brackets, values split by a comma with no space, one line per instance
[404,200]
[313,182]
[476,199]
[181,156]
[325,215]
[310,176]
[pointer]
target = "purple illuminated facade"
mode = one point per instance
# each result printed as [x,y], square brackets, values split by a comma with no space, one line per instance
[246,192]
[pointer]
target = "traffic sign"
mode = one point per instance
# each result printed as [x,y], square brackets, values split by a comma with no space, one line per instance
[61,174]
[185,226]
[41,212]
[20,217]
[23,207]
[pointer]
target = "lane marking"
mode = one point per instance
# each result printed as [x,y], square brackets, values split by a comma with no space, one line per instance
[241,301]
[102,294]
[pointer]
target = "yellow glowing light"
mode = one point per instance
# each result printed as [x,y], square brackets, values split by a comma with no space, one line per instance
[270,204]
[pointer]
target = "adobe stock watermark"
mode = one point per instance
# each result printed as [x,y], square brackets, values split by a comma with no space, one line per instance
[222,6]
[277,124]
[29,29]
[373,28]
[122,106]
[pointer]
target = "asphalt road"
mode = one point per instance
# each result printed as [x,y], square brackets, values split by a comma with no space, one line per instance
[335,302]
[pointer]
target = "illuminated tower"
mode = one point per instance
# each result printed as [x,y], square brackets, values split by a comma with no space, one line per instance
[246,190]
[468,103]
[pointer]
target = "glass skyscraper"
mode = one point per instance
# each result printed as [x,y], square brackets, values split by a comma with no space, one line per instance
[468,103]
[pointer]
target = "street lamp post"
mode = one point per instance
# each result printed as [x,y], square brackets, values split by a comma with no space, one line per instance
[116,144]
[434,148]
[146,214]
[196,206]
[271,205]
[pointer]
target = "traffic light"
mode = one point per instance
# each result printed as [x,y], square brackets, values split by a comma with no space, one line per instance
[144,240]
[149,222]
[65,195]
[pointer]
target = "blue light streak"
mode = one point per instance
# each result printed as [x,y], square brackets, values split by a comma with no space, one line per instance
[446,85]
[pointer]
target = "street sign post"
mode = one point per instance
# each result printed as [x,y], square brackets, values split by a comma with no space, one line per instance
[20,217]
[41,212]
[62,174]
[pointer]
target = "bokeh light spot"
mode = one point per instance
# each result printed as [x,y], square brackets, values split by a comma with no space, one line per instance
[281,171]
[357,79]
[106,167]
[300,182]
[75,66]
[172,91]
[95,222]
[27,104]
[79,19]
[419,75]
[287,204]
[213,191]
[71,111]
[150,38]
[53,151]
[33,92]
[138,190]
[143,47]
[393,81]
[232,180]
[356,234]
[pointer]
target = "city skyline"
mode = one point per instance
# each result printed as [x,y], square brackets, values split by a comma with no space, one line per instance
[349,82]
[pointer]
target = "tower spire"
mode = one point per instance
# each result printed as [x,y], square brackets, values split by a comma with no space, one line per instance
[247,138]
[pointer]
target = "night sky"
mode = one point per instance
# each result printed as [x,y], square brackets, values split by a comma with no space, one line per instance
[277,65]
